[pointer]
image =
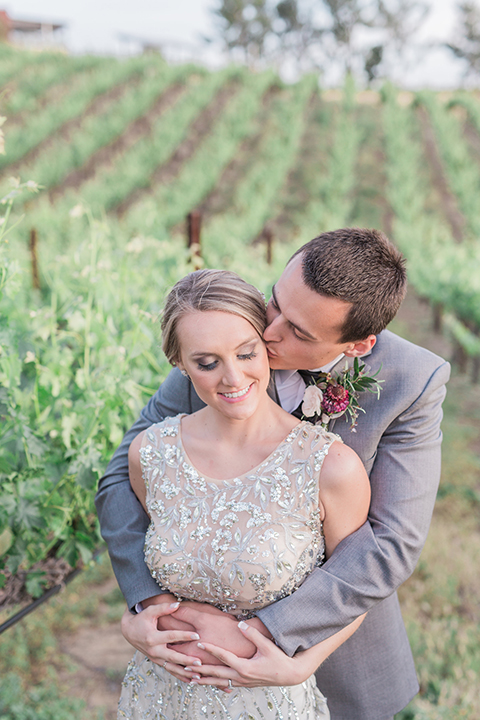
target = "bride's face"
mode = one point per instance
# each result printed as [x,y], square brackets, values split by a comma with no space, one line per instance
[226,360]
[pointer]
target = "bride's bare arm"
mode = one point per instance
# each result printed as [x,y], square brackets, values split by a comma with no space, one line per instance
[213,625]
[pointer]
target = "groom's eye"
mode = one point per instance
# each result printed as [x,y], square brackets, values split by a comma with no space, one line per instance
[295,332]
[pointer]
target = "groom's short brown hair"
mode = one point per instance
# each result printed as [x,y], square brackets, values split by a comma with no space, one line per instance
[361,267]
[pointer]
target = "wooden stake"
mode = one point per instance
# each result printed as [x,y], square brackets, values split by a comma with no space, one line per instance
[268,235]
[437,318]
[194,224]
[475,369]
[34,256]
[460,358]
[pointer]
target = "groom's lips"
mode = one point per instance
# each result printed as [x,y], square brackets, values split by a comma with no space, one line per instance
[270,353]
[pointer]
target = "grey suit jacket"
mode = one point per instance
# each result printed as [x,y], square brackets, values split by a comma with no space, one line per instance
[371,676]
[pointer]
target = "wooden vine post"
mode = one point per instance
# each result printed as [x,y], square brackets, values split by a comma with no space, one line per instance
[194,224]
[34,257]
[268,235]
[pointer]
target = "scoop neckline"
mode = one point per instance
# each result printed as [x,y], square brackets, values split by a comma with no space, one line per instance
[218,481]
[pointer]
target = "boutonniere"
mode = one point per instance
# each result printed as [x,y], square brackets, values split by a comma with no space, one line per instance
[332,396]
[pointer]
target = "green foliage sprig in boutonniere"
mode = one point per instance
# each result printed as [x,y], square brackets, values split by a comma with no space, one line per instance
[332,396]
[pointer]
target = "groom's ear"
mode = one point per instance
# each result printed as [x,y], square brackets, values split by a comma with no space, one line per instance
[362,347]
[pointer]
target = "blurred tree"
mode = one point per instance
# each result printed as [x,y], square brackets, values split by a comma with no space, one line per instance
[346,16]
[296,32]
[244,24]
[466,44]
[400,19]
[372,62]
[349,35]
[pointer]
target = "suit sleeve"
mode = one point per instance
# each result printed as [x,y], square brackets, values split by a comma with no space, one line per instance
[373,562]
[123,521]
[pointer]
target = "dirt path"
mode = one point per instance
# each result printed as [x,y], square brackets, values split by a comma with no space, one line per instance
[107,155]
[439,179]
[199,129]
[99,654]
[220,199]
[98,105]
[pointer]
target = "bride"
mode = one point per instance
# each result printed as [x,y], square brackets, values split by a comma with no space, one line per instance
[244,501]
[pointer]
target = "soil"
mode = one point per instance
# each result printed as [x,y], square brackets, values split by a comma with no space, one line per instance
[199,129]
[448,201]
[98,105]
[100,655]
[220,199]
[107,155]
[56,571]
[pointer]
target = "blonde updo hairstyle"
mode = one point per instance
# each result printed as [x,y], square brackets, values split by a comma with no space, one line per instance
[207,290]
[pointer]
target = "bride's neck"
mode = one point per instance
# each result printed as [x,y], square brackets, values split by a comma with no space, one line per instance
[210,425]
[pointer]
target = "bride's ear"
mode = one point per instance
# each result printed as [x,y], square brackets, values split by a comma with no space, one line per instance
[362,347]
[182,369]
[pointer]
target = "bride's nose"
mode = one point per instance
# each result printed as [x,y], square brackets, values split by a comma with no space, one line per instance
[232,375]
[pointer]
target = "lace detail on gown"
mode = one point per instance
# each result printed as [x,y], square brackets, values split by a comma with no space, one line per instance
[239,544]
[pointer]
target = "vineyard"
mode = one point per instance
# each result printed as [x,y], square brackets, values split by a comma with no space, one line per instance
[103,161]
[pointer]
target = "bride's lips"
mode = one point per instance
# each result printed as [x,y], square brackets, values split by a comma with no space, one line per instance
[238,395]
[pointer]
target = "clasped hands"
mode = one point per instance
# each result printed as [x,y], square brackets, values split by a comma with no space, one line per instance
[198,643]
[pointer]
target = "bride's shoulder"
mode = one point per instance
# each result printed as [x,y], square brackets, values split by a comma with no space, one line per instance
[168,427]
[155,434]
[319,434]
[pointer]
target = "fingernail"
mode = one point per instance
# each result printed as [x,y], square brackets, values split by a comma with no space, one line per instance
[243,625]
[196,677]
[197,662]
[193,682]
[174,605]
[195,636]
[202,647]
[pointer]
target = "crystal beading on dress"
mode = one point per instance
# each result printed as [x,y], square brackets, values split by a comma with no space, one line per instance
[239,544]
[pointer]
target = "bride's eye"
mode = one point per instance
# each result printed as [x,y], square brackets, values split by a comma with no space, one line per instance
[207,366]
[248,356]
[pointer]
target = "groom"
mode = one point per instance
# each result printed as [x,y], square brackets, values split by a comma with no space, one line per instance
[331,304]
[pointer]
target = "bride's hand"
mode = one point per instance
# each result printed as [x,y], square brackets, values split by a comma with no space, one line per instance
[268,666]
[141,632]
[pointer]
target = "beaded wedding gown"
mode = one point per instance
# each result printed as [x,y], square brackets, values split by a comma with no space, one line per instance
[238,544]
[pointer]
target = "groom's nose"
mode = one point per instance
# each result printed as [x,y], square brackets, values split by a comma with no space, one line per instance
[273,331]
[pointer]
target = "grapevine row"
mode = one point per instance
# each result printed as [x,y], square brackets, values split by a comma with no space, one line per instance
[64,155]
[85,88]
[440,269]
[168,204]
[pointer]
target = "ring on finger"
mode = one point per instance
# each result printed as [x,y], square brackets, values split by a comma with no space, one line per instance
[230,686]
[163,666]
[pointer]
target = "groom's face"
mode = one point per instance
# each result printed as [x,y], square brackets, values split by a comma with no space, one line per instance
[304,328]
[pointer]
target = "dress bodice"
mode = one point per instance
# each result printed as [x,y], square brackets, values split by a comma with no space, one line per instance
[242,543]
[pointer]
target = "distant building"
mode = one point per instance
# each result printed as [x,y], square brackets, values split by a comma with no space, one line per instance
[30,33]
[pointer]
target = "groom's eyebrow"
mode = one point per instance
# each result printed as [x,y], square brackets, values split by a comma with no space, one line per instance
[297,327]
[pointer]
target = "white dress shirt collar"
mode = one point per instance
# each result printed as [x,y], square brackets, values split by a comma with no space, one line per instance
[291,387]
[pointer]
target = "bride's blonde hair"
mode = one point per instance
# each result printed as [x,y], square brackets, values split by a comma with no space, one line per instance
[207,290]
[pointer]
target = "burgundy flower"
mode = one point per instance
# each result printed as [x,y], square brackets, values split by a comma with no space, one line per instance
[335,399]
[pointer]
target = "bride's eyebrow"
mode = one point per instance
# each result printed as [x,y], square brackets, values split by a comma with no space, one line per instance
[248,342]
[208,353]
